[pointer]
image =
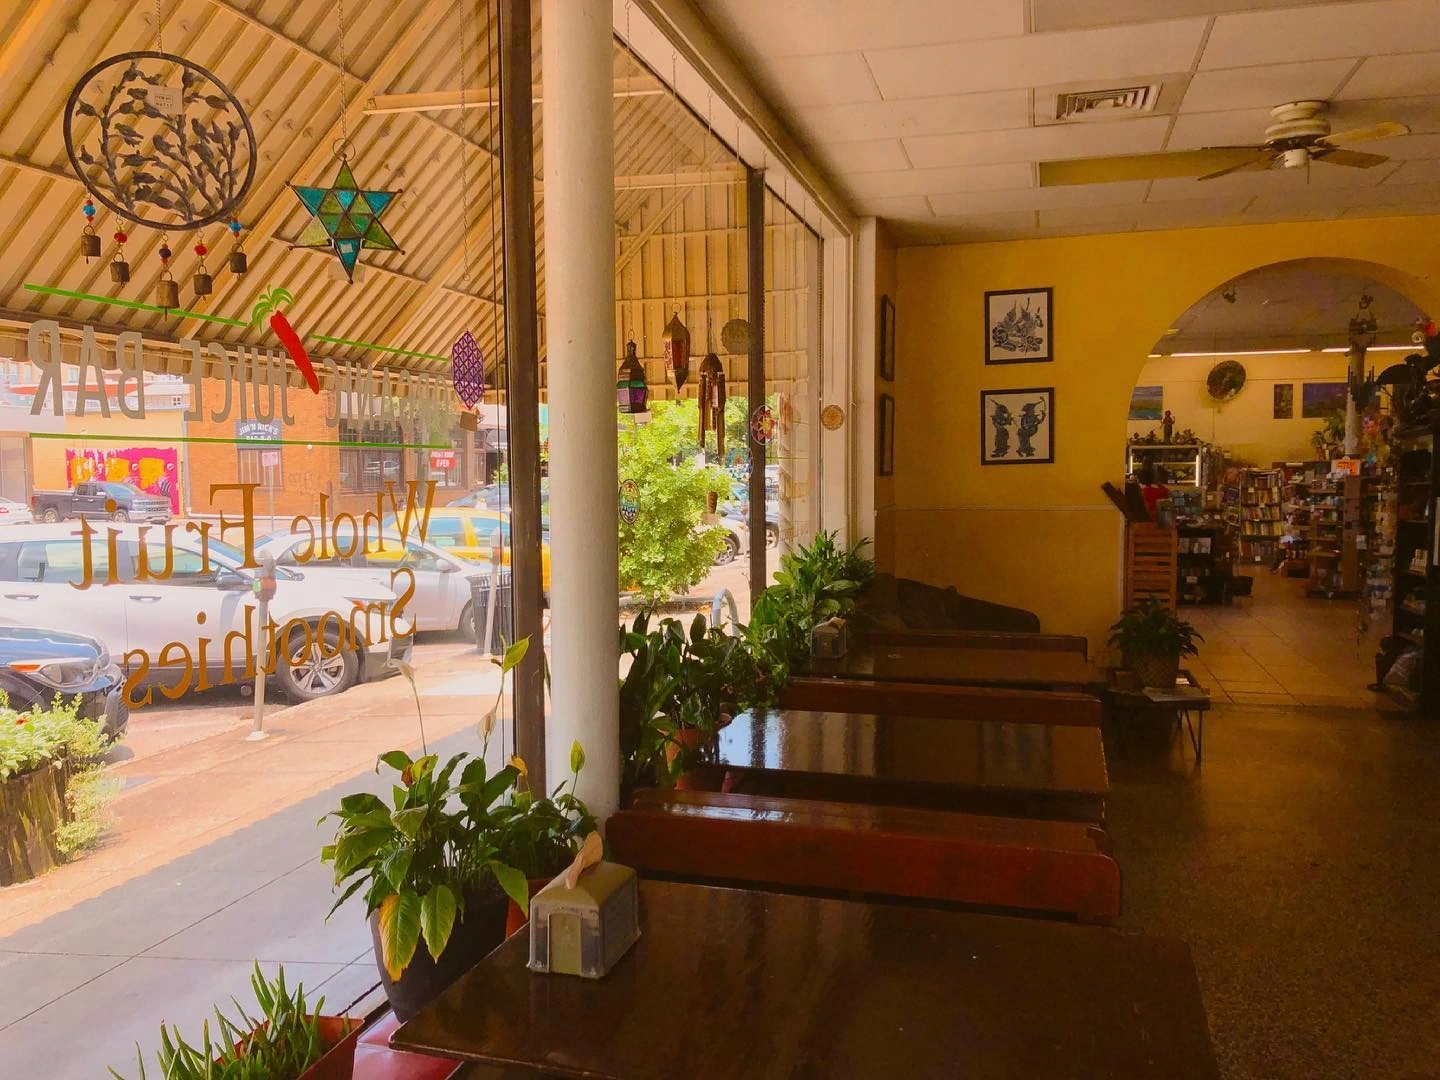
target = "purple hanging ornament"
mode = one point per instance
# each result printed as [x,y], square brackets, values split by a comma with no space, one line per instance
[467,370]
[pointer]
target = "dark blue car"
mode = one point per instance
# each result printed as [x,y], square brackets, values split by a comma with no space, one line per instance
[36,666]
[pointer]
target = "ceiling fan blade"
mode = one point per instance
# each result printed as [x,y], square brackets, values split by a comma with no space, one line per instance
[1386,130]
[1356,159]
[1255,164]
[1106,170]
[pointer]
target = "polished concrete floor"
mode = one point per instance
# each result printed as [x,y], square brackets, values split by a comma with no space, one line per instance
[1300,863]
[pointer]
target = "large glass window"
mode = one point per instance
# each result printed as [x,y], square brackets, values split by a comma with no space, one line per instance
[375,461]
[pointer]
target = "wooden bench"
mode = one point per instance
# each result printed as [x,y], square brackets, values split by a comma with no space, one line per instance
[979,639]
[886,851]
[821,694]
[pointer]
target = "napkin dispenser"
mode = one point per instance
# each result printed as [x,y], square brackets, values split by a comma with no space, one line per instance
[829,639]
[585,920]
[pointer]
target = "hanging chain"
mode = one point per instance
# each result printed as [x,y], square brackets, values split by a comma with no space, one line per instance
[705,223]
[159,41]
[679,277]
[344,75]
[465,148]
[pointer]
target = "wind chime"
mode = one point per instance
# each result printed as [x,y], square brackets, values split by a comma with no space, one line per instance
[161,156]
[712,371]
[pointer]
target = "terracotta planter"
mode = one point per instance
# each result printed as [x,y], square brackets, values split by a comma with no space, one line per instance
[337,1063]
[1155,670]
[32,807]
[476,934]
[515,919]
[687,739]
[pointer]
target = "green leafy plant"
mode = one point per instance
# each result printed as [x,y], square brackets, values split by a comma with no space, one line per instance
[813,584]
[539,837]
[280,1045]
[434,846]
[666,550]
[1151,628]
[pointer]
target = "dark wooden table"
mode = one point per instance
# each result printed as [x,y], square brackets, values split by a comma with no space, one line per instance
[1015,770]
[1017,668]
[725,984]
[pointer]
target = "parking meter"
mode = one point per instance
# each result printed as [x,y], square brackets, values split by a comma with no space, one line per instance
[497,556]
[264,588]
[264,584]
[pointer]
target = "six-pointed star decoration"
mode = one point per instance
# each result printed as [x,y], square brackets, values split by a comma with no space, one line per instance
[345,218]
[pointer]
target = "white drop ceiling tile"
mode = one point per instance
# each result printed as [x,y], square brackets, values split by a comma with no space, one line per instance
[1124,193]
[1072,216]
[871,155]
[1075,14]
[1240,127]
[808,27]
[1051,143]
[1412,75]
[1416,172]
[1277,182]
[1322,33]
[833,79]
[1058,232]
[900,208]
[1079,56]
[1399,195]
[915,116]
[1189,213]
[1405,147]
[1268,212]
[1263,87]
[938,181]
[1415,209]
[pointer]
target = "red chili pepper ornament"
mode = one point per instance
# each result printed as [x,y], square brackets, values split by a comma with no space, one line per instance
[270,304]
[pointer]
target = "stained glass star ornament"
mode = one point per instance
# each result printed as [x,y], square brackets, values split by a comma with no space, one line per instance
[345,218]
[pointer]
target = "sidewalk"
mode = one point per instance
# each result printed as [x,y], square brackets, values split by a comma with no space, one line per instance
[180,800]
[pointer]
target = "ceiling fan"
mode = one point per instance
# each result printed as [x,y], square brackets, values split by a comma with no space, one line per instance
[1298,135]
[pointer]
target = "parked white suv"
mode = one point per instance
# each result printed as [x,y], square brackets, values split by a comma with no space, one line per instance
[180,622]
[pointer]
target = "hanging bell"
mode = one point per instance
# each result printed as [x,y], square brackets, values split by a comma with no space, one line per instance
[119,268]
[89,242]
[238,263]
[201,282]
[676,343]
[168,294]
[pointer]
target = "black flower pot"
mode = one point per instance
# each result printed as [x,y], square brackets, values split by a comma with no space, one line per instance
[480,930]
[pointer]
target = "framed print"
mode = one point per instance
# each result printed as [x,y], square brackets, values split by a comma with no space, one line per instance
[1019,326]
[885,436]
[1147,402]
[1017,427]
[1284,401]
[887,339]
[1320,399]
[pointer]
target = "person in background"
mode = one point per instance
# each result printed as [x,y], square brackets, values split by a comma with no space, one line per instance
[1152,487]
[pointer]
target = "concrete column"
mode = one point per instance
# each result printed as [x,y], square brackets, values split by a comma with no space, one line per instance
[577,80]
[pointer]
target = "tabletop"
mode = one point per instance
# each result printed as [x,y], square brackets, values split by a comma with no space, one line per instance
[1024,770]
[727,983]
[1021,668]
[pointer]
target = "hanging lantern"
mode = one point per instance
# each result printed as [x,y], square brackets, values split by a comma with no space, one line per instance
[203,284]
[238,263]
[676,341]
[119,268]
[467,369]
[631,393]
[168,290]
[89,242]
[712,401]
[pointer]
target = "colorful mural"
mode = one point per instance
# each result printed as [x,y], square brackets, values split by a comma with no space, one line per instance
[154,470]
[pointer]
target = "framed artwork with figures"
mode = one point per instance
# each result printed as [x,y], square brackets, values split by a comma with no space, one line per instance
[1017,427]
[1019,326]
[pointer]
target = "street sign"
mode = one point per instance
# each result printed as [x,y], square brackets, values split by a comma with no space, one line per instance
[270,459]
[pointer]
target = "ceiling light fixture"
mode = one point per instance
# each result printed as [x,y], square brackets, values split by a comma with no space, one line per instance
[1243,352]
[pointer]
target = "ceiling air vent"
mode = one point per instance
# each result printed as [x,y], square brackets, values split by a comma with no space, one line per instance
[1101,104]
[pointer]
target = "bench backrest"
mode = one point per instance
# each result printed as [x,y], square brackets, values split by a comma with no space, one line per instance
[979,639]
[934,699]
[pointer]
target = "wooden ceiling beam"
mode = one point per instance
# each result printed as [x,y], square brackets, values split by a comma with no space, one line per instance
[444,100]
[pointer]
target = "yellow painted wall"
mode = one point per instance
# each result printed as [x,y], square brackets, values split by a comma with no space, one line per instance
[1245,426]
[1043,536]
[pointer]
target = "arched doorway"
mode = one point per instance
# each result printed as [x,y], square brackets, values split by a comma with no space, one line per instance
[1285,542]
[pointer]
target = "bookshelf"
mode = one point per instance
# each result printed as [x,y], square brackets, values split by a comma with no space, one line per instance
[1261,519]
[1416,577]
[1333,531]
[1184,463]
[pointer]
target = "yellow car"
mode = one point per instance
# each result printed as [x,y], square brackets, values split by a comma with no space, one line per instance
[465,532]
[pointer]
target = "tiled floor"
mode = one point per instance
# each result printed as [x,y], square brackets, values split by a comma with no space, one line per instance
[1282,648]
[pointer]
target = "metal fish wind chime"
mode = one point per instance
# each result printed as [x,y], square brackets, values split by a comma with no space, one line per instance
[712,401]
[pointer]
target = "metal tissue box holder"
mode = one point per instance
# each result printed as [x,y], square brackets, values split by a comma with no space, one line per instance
[587,918]
[829,639]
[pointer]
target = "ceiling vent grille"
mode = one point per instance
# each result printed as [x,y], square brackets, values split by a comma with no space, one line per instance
[1102,104]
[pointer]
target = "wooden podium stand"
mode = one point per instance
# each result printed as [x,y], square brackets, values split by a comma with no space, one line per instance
[1150,558]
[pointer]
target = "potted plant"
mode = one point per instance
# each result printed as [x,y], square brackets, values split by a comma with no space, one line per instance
[291,1041]
[430,865]
[813,584]
[539,837]
[1152,639]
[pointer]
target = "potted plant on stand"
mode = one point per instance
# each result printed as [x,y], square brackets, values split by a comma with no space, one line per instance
[1152,639]
[430,864]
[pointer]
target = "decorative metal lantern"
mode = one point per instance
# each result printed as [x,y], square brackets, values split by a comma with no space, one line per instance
[467,369]
[631,393]
[676,341]
[712,401]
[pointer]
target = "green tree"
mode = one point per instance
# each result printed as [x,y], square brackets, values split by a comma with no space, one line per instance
[665,550]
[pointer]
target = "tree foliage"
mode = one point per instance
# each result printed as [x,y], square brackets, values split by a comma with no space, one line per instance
[666,550]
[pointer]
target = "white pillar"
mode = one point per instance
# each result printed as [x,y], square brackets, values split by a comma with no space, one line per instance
[577,81]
